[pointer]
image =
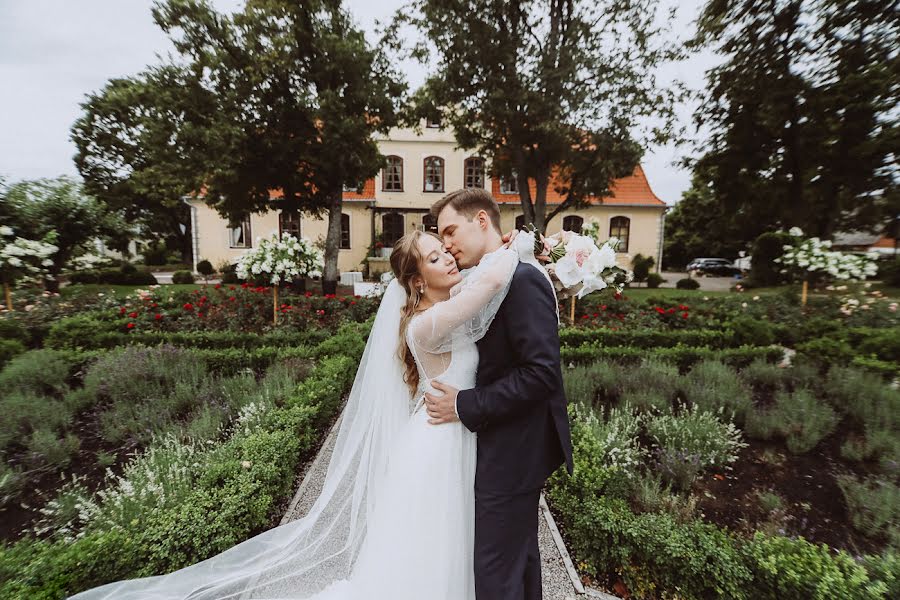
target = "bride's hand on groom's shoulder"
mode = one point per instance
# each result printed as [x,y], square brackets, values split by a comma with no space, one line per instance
[508,238]
[441,409]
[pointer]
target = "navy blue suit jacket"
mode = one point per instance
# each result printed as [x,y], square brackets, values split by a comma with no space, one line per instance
[518,406]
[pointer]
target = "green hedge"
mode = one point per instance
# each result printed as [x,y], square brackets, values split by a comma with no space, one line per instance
[647,338]
[88,333]
[683,356]
[229,504]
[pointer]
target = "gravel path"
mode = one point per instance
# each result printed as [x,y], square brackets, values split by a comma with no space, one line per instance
[556,581]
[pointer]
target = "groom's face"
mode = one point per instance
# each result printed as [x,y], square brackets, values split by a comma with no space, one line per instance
[464,238]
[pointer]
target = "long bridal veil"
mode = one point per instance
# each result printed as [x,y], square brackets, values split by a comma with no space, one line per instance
[300,558]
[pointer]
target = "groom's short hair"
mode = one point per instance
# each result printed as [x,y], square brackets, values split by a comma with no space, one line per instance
[467,202]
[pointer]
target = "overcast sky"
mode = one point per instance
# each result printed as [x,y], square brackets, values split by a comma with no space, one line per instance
[53,52]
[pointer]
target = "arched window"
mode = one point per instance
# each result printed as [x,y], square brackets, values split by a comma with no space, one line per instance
[345,231]
[429,223]
[474,172]
[573,223]
[520,221]
[433,174]
[392,175]
[391,228]
[619,227]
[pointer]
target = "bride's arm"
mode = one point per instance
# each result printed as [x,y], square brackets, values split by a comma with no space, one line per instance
[474,301]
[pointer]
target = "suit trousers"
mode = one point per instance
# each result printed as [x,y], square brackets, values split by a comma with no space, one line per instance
[507,558]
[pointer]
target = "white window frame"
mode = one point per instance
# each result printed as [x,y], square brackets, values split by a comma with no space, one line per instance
[246,229]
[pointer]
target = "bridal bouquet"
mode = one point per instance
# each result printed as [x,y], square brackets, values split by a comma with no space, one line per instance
[578,266]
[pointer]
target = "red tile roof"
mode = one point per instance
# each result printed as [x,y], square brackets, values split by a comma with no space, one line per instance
[631,190]
[884,242]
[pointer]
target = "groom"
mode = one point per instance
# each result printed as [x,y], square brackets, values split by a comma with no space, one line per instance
[517,407]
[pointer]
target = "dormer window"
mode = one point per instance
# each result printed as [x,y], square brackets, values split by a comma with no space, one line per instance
[509,185]
[432,122]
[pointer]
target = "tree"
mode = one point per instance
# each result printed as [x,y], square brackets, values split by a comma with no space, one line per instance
[699,225]
[299,94]
[145,142]
[59,205]
[801,114]
[553,93]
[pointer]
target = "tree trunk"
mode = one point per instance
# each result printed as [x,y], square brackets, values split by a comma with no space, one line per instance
[540,202]
[332,243]
[7,294]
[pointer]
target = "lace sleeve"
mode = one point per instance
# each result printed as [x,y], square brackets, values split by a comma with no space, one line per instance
[473,302]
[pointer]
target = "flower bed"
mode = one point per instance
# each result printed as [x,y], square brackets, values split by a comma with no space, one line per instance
[227,491]
[762,482]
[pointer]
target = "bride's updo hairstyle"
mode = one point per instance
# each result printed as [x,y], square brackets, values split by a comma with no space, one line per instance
[405,260]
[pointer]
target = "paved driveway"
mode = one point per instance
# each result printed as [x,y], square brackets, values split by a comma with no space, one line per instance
[712,284]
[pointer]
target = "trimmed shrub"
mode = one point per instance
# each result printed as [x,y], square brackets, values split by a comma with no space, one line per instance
[749,331]
[764,271]
[205,268]
[687,283]
[654,280]
[182,277]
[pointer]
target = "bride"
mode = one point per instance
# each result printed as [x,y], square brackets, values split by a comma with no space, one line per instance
[395,518]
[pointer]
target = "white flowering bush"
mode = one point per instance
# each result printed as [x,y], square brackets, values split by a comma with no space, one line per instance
[281,260]
[618,446]
[158,478]
[20,257]
[814,256]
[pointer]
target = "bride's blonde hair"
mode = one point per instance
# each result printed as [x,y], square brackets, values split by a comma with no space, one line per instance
[405,260]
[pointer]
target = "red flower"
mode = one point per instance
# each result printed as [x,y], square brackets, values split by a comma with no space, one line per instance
[231,287]
[202,299]
[682,307]
[158,316]
[320,312]
[245,285]
[684,315]
[357,296]
[122,310]
[188,306]
[672,310]
[596,315]
[353,302]
[130,326]
[133,315]
[218,285]
[659,310]
[308,294]
[602,307]
[154,305]
[617,296]
[232,299]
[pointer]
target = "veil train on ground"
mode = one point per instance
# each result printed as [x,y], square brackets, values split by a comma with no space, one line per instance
[299,559]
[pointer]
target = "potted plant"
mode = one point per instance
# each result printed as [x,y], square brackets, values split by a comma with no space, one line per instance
[380,247]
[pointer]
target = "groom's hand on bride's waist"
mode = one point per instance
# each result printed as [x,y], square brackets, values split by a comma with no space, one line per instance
[441,409]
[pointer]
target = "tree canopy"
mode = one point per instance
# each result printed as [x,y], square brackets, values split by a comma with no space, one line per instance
[551,93]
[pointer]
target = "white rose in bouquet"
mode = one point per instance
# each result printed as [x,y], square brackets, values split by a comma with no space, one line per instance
[578,267]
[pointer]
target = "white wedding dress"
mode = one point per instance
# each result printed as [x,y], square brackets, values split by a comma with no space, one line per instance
[395,518]
[421,538]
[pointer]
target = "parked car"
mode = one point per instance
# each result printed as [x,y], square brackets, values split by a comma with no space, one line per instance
[717,267]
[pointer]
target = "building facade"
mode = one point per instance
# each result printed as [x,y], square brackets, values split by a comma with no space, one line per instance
[421,168]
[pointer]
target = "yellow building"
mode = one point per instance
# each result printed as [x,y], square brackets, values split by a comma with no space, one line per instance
[421,168]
